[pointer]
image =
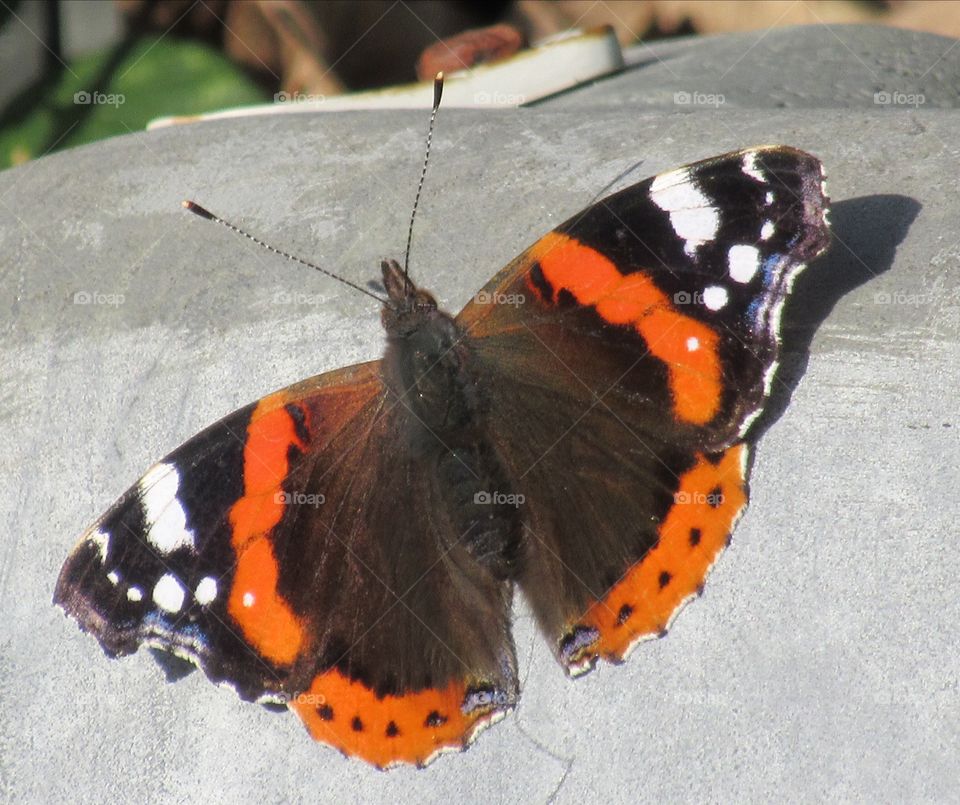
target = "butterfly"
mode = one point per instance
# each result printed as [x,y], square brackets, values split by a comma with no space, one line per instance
[349,547]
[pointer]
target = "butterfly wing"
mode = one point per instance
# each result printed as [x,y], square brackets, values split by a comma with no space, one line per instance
[628,352]
[288,552]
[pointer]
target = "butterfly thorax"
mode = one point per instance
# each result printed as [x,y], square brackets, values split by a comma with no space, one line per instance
[426,363]
[427,369]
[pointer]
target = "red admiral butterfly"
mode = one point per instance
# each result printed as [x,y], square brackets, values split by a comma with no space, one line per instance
[348,547]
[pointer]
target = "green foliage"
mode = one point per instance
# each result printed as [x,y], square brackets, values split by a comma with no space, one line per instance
[119,91]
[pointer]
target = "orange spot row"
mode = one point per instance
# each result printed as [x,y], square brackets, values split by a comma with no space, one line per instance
[409,729]
[708,501]
[688,347]
[266,620]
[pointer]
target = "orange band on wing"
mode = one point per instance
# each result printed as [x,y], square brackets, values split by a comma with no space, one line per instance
[408,729]
[688,347]
[709,500]
[266,620]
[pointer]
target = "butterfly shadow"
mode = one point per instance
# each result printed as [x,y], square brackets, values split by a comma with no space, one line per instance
[866,234]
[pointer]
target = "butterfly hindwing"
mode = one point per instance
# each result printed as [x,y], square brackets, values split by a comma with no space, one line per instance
[411,624]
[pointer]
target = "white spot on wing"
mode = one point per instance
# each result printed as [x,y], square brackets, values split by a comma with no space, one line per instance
[751,167]
[692,216]
[248,599]
[693,343]
[696,225]
[767,230]
[743,261]
[135,594]
[113,577]
[206,590]
[166,519]
[168,594]
[769,197]
[102,540]
[675,190]
[715,297]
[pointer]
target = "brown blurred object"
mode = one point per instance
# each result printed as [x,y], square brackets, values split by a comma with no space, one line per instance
[934,17]
[633,21]
[468,49]
[326,48]
[286,39]
[637,20]
[318,47]
[184,17]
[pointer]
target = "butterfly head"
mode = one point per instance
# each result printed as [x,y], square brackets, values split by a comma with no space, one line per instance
[409,307]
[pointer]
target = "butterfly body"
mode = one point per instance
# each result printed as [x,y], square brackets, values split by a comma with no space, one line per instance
[349,546]
[427,371]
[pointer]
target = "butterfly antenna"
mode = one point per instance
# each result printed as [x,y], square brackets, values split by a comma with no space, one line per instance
[196,209]
[437,94]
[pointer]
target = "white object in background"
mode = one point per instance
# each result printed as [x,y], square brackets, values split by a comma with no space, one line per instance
[554,65]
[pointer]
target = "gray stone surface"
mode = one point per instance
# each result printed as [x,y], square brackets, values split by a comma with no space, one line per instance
[809,67]
[822,662]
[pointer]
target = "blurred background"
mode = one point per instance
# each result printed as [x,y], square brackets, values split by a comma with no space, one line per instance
[75,71]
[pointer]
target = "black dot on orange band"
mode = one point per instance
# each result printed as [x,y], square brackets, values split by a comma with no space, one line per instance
[715,498]
[624,614]
[325,711]
[695,535]
[664,579]
[434,719]
[356,724]
[392,730]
